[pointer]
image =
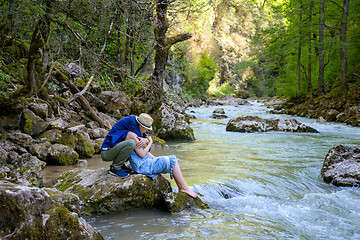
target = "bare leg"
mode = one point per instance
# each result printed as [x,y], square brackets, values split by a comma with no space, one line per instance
[180,182]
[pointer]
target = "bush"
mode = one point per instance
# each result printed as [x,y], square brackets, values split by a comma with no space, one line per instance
[199,76]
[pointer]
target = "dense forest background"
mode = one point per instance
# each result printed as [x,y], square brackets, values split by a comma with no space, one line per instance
[256,48]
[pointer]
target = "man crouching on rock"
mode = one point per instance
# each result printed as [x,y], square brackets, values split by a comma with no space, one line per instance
[122,139]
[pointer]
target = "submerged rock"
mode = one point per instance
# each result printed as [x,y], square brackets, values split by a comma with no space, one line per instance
[31,213]
[101,192]
[219,113]
[257,124]
[341,166]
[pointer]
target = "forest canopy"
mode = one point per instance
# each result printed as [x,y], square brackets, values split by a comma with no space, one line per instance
[243,48]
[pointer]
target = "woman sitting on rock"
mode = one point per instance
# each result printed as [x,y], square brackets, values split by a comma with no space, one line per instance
[142,161]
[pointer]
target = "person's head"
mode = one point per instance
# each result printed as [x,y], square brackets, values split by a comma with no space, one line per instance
[144,121]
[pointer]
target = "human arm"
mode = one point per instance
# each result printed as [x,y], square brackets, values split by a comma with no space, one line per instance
[140,142]
[143,151]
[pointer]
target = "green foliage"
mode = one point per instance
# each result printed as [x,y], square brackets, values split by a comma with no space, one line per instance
[200,75]
[223,90]
[277,46]
[5,78]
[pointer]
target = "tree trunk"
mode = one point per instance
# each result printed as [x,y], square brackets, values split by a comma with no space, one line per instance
[321,49]
[343,60]
[298,72]
[154,93]
[309,48]
[82,100]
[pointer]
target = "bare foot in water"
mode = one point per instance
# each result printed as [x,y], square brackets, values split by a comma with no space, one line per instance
[189,192]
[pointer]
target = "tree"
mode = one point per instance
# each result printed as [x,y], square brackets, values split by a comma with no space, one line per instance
[321,89]
[343,60]
[298,72]
[154,93]
[310,47]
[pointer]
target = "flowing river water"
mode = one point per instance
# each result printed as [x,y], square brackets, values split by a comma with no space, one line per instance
[257,185]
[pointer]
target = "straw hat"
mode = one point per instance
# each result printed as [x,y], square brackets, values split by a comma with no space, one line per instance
[145,120]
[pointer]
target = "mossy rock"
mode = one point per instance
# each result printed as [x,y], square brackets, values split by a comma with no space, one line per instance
[30,213]
[177,202]
[83,145]
[52,135]
[101,192]
[32,124]
[62,155]
[68,139]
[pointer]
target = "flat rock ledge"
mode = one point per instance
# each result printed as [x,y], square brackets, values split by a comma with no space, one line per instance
[257,124]
[101,193]
[341,166]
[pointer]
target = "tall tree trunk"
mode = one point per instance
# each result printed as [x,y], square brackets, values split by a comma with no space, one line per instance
[321,49]
[343,60]
[39,40]
[154,93]
[309,48]
[298,72]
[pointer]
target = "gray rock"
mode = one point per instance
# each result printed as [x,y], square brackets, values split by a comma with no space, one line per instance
[83,145]
[18,166]
[97,133]
[174,125]
[97,143]
[257,124]
[40,150]
[22,139]
[320,119]
[59,124]
[101,192]
[53,135]
[32,124]
[30,213]
[341,166]
[219,113]
[40,109]
[62,155]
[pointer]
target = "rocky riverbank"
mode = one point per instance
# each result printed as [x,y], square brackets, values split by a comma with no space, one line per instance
[58,127]
[345,109]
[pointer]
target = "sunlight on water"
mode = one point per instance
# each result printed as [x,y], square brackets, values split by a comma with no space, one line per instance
[258,185]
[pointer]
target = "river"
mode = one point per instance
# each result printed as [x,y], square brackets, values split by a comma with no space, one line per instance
[258,185]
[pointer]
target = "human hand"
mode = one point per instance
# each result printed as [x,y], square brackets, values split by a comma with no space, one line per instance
[142,142]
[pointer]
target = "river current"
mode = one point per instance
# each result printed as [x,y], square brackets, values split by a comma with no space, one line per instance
[257,185]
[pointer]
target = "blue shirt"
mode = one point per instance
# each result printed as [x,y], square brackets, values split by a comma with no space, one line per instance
[120,130]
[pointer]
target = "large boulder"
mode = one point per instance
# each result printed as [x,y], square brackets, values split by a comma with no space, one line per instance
[341,166]
[257,124]
[56,154]
[18,166]
[30,213]
[115,102]
[174,124]
[83,144]
[62,155]
[219,113]
[32,124]
[101,192]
